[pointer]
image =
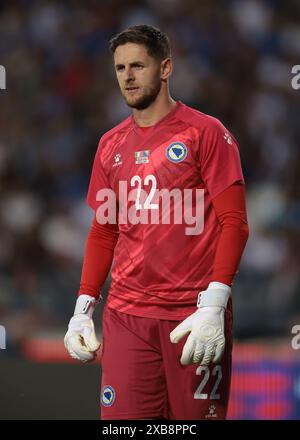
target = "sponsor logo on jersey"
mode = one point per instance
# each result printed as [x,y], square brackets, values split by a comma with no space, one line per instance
[228,138]
[142,156]
[108,395]
[117,160]
[212,413]
[176,152]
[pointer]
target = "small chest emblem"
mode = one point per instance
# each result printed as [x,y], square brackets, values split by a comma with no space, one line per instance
[117,160]
[142,156]
[176,152]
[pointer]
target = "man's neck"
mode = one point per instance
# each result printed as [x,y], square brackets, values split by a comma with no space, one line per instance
[155,112]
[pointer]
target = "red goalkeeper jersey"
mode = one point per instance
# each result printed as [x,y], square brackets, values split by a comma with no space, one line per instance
[163,180]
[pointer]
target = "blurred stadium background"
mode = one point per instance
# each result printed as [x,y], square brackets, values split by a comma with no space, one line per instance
[233,59]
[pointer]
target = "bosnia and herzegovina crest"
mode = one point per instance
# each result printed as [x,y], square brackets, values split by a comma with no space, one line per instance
[176,152]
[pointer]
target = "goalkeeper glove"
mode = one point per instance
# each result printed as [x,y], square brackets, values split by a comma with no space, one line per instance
[81,340]
[206,341]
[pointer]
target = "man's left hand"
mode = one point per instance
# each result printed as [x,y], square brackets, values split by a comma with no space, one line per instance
[206,341]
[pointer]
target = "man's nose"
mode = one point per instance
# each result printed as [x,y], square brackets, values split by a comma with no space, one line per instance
[129,74]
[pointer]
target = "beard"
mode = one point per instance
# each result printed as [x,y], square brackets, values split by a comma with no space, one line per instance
[143,101]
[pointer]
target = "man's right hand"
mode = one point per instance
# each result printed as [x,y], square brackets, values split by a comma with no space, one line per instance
[80,340]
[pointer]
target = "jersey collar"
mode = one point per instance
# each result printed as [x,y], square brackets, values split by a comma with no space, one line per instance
[163,120]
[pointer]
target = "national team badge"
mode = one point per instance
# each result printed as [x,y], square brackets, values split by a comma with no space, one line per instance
[108,396]
[176,152]
[142,156]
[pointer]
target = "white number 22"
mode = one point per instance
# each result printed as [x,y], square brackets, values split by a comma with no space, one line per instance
[216,371]
[149,178]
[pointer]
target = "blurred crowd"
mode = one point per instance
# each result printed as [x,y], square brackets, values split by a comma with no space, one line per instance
[233,60]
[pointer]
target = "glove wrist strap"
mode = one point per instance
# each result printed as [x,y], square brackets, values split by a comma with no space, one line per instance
[217,294]
[85,305]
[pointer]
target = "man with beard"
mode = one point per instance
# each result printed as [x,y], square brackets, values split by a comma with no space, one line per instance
[167,283]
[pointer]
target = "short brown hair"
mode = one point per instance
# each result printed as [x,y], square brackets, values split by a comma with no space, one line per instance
[156,42]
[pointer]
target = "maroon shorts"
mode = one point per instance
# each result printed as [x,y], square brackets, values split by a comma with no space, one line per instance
[142,377]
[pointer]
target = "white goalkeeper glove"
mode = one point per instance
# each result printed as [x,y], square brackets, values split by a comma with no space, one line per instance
[81,340]
[206,341]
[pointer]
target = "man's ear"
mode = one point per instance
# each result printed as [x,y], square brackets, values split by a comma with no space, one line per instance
[166,69]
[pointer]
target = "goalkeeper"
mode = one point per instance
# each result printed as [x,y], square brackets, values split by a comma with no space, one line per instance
[167,323]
